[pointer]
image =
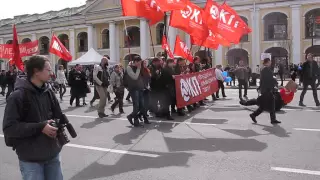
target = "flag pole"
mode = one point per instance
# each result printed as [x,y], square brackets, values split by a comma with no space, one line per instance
[165,32]
[154,54]
[127,35]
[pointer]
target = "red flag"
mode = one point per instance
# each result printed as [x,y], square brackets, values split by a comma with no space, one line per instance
[16,58]
[142,8]
[166,47]
[169,5]
[57,48]
[225,21]
[181,49]
[190,21]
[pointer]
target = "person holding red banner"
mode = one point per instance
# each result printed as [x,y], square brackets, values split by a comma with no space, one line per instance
[220,79]
[169,97]
[10,80]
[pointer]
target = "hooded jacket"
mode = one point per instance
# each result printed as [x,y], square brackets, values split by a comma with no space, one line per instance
[23,128]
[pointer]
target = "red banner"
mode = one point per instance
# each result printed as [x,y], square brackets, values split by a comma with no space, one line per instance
[192,88]
[26,49]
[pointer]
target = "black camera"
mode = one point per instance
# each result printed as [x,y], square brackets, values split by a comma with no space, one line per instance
[61,134]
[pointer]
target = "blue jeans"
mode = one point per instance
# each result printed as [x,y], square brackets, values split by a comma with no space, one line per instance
[138,102]
[49,170]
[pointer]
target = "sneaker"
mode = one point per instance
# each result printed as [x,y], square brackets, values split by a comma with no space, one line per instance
[129,117]
[301,104]
[253,118]
[275,122]
[102,115]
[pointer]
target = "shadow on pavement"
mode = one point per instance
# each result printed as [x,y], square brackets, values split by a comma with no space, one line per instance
[129,163]
[214,144]
[243,133]
[275,130]
[127,138]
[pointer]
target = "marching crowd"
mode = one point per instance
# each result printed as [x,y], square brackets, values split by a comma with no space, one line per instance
[32,109]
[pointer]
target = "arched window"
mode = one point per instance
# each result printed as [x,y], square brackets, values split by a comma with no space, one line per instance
[44,45]
[315,50]
[82,42]
[312,26]
[236,55]
[64,39]
[105,39]
[133,38]
[25,40]
[9,42]
[159,32]
[278,55]
[275,26]
[244,38]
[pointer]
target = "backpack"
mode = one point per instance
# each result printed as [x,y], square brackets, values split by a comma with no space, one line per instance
[26,103]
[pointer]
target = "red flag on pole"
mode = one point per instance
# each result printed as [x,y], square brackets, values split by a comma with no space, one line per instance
[142,8]
[169,5]
[16,58]
[57,48]
[181,49]
[166,47]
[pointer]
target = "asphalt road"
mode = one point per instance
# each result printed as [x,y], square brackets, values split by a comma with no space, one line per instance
[216,142]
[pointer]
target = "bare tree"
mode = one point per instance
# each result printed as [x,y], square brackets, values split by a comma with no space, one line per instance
[287,44]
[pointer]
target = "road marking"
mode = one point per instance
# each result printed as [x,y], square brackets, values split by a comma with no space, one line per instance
[155,121]
[300,171]
[112,150]
[303,129]
[109,150]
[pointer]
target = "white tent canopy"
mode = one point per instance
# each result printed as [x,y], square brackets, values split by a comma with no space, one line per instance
[90,58]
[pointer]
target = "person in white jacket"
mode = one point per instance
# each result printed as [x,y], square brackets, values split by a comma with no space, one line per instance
[61,80]
[220,79]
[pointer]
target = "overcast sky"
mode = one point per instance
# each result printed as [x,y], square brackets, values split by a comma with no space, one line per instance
[10,8]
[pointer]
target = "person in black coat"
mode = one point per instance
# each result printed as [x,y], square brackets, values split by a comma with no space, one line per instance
[167,78]
[11,76]
[77,82]
[267,86]
[309,74]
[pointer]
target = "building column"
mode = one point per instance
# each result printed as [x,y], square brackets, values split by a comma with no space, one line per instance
[255,39]
[95,38]
[172,33]
[144,39]
[3,64]
[112,41]
[90,37]
[34,37]
[72,48]
[117,43]
[296,34]
[218,55]
[187,40]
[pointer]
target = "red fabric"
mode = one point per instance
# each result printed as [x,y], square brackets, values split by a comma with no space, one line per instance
[26,49]
[142,9]
[286,95]
[166,47]
[16,58]
[181,49]
[194,87]
[57,48]
[190,21]
[225,21]
[169,5]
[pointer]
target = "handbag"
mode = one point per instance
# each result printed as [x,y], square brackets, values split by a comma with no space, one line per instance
[110,89]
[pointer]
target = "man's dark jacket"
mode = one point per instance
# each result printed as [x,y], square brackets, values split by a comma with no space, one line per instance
[267,81]
[309,71]
[23,127]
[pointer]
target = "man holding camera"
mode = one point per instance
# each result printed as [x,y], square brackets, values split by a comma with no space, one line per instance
[28,123]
